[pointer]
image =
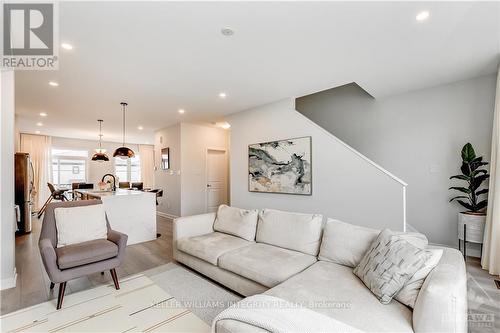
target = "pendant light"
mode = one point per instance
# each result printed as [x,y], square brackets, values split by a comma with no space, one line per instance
[124,152]
[100,153]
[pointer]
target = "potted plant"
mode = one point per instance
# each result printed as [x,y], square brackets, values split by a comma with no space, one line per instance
[472,195]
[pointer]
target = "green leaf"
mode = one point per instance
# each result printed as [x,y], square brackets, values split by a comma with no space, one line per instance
[465,168]
[483,191]
[459,197]
[478,172]
[477,159]
[477,181]
[466,205]
[468,153]
[474,165]
[462,177]
[481,204]
[460,189]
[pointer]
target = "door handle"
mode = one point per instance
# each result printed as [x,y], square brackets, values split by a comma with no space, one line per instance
[208,185]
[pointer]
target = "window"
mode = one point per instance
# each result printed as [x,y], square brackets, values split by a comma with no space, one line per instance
[69,166]
[128,170]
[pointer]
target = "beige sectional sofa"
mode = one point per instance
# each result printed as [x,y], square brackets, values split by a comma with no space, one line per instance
[296,258]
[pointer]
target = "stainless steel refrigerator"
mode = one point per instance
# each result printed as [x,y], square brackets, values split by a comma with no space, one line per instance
[24,190]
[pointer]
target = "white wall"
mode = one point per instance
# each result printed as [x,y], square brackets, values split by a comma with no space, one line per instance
[184,185]
[418,136]
[195,141]
[7,216]
[169,180]
[345,185]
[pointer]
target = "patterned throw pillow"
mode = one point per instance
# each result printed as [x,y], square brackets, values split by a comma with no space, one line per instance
[389,263]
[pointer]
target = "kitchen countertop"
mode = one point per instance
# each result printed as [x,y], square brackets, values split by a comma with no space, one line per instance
[100,194]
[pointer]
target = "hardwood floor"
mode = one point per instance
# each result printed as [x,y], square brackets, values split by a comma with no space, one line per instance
[32,285]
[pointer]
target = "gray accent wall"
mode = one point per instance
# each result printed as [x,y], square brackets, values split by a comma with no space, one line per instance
[345,185]
[417,136]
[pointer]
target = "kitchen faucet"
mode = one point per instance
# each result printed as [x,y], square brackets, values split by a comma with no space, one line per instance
[114,180]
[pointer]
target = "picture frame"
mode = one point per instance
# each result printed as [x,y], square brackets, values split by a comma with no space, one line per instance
[281,166]
[165,158]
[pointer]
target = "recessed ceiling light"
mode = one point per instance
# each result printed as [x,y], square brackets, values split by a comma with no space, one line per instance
[53,83]
[67,46]
[39,124]
[37,132]
[222,95]
[227,31]
[181,111]
[140,128]
[43,114]
[422,16]
[225,125]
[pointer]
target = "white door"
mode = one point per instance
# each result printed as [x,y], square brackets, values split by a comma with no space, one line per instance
[216,179]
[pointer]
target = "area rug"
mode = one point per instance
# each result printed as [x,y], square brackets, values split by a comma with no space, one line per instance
[483,302]
[203,297]
[139,306]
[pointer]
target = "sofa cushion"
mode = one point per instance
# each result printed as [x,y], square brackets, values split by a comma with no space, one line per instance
[83,253]
[345,243]
[266,264]
[335,291]
[293,231]
[210,247]
[389,263]
[237,222]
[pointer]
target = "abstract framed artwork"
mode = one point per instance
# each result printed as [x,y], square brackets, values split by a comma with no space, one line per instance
[282,166]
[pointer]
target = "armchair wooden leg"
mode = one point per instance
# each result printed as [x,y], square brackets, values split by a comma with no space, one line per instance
[62,288]
[115,278]
[52,285]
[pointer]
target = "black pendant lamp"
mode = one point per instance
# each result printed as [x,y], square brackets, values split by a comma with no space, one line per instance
[124,152]
[100,153]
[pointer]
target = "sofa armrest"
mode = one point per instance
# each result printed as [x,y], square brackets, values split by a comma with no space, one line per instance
[441,304]
[120,240]
[190,226]
[49,259]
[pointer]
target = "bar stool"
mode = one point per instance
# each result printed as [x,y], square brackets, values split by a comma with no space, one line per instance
[54,195]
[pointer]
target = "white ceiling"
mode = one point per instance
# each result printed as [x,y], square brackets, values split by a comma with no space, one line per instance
[162,56]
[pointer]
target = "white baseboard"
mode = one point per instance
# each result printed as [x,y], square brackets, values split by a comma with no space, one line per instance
[9,282]
[166,215]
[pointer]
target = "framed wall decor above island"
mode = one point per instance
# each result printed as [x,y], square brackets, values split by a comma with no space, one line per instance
[282,166]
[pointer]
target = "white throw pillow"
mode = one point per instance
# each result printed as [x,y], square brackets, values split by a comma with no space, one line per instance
[293,231]
[389,264]
[80,224]
[237,222]
[345,243]
[408,295]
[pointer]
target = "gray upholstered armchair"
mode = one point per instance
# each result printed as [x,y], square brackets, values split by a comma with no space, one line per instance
[76,260]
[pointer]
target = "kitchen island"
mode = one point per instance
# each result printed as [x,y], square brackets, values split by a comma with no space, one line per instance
[128,211]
